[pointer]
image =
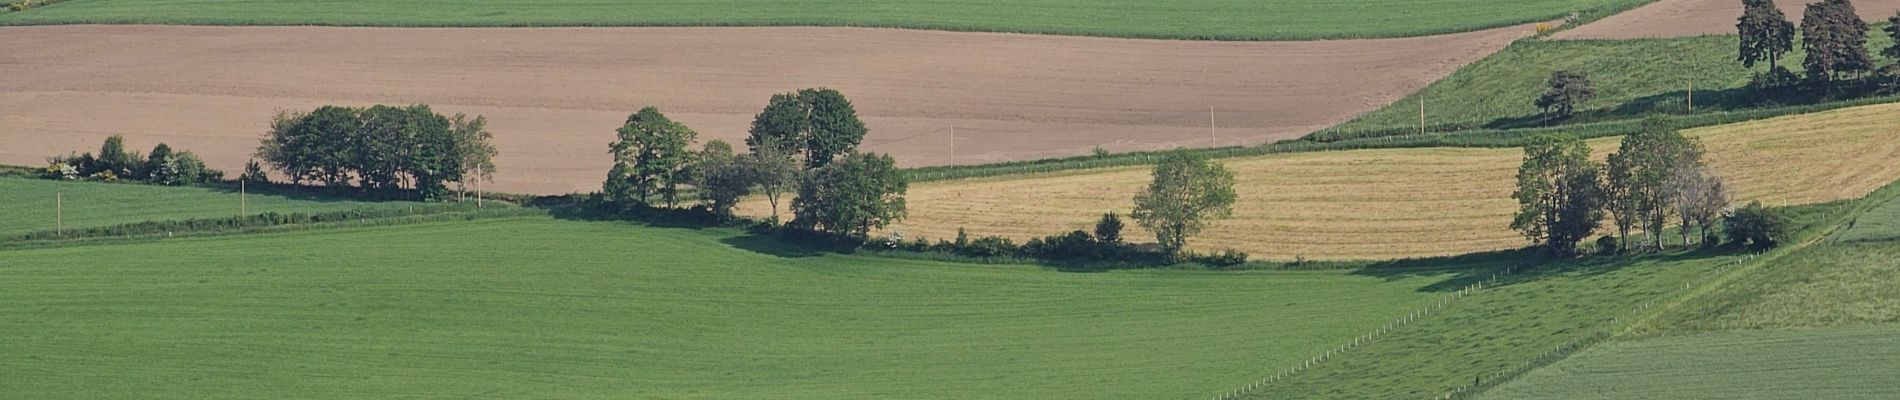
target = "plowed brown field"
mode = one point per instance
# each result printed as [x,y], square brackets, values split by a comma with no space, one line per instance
[1674,18]
[554,96]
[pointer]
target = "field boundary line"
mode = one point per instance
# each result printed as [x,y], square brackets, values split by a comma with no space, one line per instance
[1436,306]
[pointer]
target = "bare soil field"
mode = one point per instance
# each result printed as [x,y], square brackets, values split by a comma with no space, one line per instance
[1674,18]
[1400,203]
[555,95]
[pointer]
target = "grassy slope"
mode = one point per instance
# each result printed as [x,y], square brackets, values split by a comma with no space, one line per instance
[1223,19]
[1389,203]
[1632,77]
[1496,328]
[30,204]
[1828,363]
[534,307]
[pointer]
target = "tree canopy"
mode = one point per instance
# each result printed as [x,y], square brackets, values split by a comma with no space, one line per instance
[1835,39]
[858,193]
[381,147]
[1765,33]
[1187,193]
[1564,92]
[650,158]
[817,123]
[1558,194]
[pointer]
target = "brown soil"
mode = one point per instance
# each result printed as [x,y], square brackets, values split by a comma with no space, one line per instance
[1675,18]
[554,96]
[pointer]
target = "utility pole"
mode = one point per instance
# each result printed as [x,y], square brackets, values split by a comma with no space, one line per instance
[1691,95]
[59,214]
[243,208]
[1210,126]
[1421,113]
[478,193]
[953,145]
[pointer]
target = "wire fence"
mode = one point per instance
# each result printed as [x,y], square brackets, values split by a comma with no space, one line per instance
[1436,306]
[1621,323]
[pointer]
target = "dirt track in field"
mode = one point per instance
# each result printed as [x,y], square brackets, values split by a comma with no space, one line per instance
[1675,18]
[554,96]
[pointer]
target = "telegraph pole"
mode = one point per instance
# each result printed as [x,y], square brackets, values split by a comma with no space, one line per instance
[243,207]
[1211,133]
[1421,113]
[59,214]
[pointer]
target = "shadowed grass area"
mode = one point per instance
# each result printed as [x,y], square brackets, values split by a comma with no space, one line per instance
[1830,363]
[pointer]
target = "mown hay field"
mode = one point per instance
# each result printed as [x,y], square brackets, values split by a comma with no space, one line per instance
[1186,19]
[535,307]
[1400,203]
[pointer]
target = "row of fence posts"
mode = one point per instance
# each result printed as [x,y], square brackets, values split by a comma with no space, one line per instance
[1605,332]
[1364,339]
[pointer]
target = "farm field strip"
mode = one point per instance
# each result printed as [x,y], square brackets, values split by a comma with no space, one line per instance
[536,307]
[1826,363]
[1398,203]
[1186,19]
[32,203]
[1673,18]
[553,96]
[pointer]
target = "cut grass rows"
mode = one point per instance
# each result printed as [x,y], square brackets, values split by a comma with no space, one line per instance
[536,307]
[1192,19]
[1397,203]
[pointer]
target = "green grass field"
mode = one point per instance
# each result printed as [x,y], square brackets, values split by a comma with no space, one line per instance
[1829,363]
[30,204]
[538,307]
[1190,19]
[1879,224]
[1632,77]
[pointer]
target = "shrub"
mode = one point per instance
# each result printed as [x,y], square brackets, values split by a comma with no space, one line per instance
[989,246]
[1225,258]
[1070,246]
[1607,245]
[1108,230]
[1755,226]
[254,174]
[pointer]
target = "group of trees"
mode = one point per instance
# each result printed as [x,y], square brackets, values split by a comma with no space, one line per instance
[1832,34]
[1656,177]
[379,148]
[804,142]
[114,163]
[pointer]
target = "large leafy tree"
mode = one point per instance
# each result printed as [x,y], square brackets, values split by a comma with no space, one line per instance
[1765,33]
[1640,172]
[721,179]
[380,147]
[817,123]
[654,152]
[1564,91]
[858,193]
[1835,39]
[1893,32]
[476,156]
[1558,194]
[1187,193]
[113,157]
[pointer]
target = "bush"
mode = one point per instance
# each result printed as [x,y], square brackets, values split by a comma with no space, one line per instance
[1755,226]
[1225,258]
[1607,245]
[1070,246]
[988,247]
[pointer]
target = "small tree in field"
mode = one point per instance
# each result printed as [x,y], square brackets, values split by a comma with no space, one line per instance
[1765,33]
[1188,191]
[722,180]
[1564,91]
[774,171]
[653,153]
[1558,194]
[1700,198]
[1108,230]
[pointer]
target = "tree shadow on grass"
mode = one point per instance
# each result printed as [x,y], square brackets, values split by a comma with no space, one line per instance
[770,246]
[1523,265]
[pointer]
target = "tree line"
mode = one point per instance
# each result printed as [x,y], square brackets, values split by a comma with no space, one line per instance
[378,149]
[1656,177]
[1832,36]
[114,163]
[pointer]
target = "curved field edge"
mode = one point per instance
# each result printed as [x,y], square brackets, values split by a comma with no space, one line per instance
[537,307]
[1403,203]
[1826,363]
[1189,20]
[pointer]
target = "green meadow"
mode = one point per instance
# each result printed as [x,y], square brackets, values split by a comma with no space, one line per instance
[31,204]
[1188,19]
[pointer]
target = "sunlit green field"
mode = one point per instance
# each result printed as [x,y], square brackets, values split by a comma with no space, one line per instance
[1199,19]
[1832,363]
[543,308]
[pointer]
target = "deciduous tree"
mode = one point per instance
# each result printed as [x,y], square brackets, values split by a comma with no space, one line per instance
[654,151]
[1564,91]
[1559,194]
[1835,39]
[1187,193]
[1765,33]
[1639,176]
[858,193]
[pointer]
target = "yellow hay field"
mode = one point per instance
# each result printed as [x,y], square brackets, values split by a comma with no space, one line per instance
[1400,203]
